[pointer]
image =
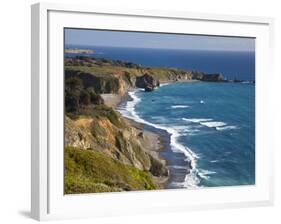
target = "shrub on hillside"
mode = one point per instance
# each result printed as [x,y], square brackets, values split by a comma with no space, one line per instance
[94,97]
[90,171]
[77,96]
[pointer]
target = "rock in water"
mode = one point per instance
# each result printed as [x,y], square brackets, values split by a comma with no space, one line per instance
[216,77]
[149,88]
[147,82]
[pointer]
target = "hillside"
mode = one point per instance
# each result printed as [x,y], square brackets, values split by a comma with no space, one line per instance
[90,171]
[103,151]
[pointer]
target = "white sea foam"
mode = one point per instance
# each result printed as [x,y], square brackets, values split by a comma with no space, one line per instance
[213,124]
[179,167]
[214,161]
[205,174]
[179,106]
[210,123]
[191,179]
[226,128]
[202,101]
[164,84]
[186,130]
[182,128]
[196,120]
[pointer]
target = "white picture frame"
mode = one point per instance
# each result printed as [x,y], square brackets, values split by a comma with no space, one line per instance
[47,199]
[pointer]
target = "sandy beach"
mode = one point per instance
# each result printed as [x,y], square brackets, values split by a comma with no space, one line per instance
[111,100]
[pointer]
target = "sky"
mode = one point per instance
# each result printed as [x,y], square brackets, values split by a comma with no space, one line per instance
[155,40]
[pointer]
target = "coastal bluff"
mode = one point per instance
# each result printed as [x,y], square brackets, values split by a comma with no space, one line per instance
[117,77]
[121,162]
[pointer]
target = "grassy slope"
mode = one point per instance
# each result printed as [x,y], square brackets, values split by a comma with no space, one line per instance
[103,70]
[109,164]
[100,71]
[89,171]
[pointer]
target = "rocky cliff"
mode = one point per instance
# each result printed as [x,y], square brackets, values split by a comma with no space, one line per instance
[114,76]
[103,130]
[147,82]
[216,77]
[110,83]
[116,139]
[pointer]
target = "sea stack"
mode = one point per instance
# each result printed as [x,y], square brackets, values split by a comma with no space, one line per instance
[147,82]
[216,77]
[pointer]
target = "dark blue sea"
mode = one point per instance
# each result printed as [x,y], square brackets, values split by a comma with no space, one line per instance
[210,126]
[233,65]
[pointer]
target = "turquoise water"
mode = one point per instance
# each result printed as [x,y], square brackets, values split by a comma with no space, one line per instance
[211,128]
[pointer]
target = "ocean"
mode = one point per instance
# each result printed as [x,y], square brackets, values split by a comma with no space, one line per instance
[233,65]
[209,127]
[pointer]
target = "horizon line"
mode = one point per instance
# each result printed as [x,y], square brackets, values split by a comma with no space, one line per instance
[157,48]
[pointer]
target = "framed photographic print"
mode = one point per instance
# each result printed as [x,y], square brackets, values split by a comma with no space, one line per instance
[148,111]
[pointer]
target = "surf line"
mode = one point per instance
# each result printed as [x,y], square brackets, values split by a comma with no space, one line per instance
[192,178]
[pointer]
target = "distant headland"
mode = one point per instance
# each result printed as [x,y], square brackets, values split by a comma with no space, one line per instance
[78,51]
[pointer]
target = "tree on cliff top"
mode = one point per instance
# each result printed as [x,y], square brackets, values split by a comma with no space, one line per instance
[76,96]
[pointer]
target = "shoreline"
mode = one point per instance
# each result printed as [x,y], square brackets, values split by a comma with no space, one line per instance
[167,149]
[152,143]
[150,140]
[114,100]
[179,81]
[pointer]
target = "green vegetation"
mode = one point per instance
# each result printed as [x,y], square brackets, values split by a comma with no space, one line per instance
[89,171]
[103,111]
[101,83]
[108,77]
[76,96]
[104,70]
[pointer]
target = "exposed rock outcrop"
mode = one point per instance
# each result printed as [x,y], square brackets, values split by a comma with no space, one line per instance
[119,140]
[113,83]
[147,82]
[117,77]
[76,133]
[217,77]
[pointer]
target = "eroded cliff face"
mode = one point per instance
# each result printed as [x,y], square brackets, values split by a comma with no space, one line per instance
[123,81]
[120,141]
[77,135]
[117,77]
